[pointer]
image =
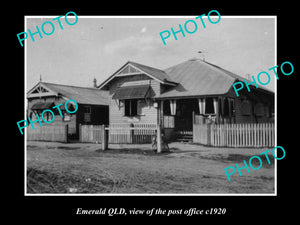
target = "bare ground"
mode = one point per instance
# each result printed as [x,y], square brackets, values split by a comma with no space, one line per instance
[135,169]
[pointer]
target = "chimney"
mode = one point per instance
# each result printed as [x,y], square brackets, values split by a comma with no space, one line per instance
[95,82]
[248,76]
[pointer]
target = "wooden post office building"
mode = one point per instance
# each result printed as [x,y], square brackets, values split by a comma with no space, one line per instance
[142,94]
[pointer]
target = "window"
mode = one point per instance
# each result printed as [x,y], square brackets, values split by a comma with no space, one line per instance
[48,116]
[259,109]
[246,108]
[226,109]
[87,111]
[131,107]
[67,117]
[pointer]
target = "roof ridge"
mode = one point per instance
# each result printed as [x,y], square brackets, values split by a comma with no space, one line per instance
[167,78]
[146,66]
[93,88]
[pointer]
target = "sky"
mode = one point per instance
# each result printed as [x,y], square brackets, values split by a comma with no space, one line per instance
[97,47]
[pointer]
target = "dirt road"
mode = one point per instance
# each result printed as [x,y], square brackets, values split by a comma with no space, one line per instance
[135,169]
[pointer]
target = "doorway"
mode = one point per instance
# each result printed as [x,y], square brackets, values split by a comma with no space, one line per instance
[184,114]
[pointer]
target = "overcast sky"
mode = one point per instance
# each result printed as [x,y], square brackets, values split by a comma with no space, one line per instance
[97,47]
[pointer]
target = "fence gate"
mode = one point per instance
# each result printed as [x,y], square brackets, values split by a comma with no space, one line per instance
[200,134]
[90,133]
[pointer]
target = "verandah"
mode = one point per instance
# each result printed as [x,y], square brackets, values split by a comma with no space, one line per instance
[180,113]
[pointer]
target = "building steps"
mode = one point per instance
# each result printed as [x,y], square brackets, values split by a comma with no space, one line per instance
[184,136]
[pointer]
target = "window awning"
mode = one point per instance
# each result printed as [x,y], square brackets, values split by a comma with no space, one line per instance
[42,105]
[134,92]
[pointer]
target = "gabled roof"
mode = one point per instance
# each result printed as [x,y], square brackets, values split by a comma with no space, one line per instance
[157,73]
[82,95]
[152,72]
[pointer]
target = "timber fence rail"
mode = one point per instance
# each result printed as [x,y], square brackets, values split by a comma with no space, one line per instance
[235,135]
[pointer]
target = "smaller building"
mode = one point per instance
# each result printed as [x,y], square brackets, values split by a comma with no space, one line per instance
[92,105]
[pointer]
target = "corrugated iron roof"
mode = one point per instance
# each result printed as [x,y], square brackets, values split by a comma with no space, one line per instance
[196,77]
[42,105]
[200,78]
[82,95]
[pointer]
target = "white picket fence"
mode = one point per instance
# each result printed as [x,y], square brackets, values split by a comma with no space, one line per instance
[235,135]
[118,133]
[131,133]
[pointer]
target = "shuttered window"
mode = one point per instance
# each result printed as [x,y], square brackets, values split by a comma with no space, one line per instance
[131,107]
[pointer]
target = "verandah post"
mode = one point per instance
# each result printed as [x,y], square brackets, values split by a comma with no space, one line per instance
[131,133]
[193,117]
[158,138]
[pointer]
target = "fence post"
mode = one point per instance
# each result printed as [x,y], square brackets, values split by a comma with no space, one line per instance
[104,137]
[80,133]
[208,134]
[131,133]
[66,133]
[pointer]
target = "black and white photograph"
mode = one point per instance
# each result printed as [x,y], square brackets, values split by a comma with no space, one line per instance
[143,115]
[154,115]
